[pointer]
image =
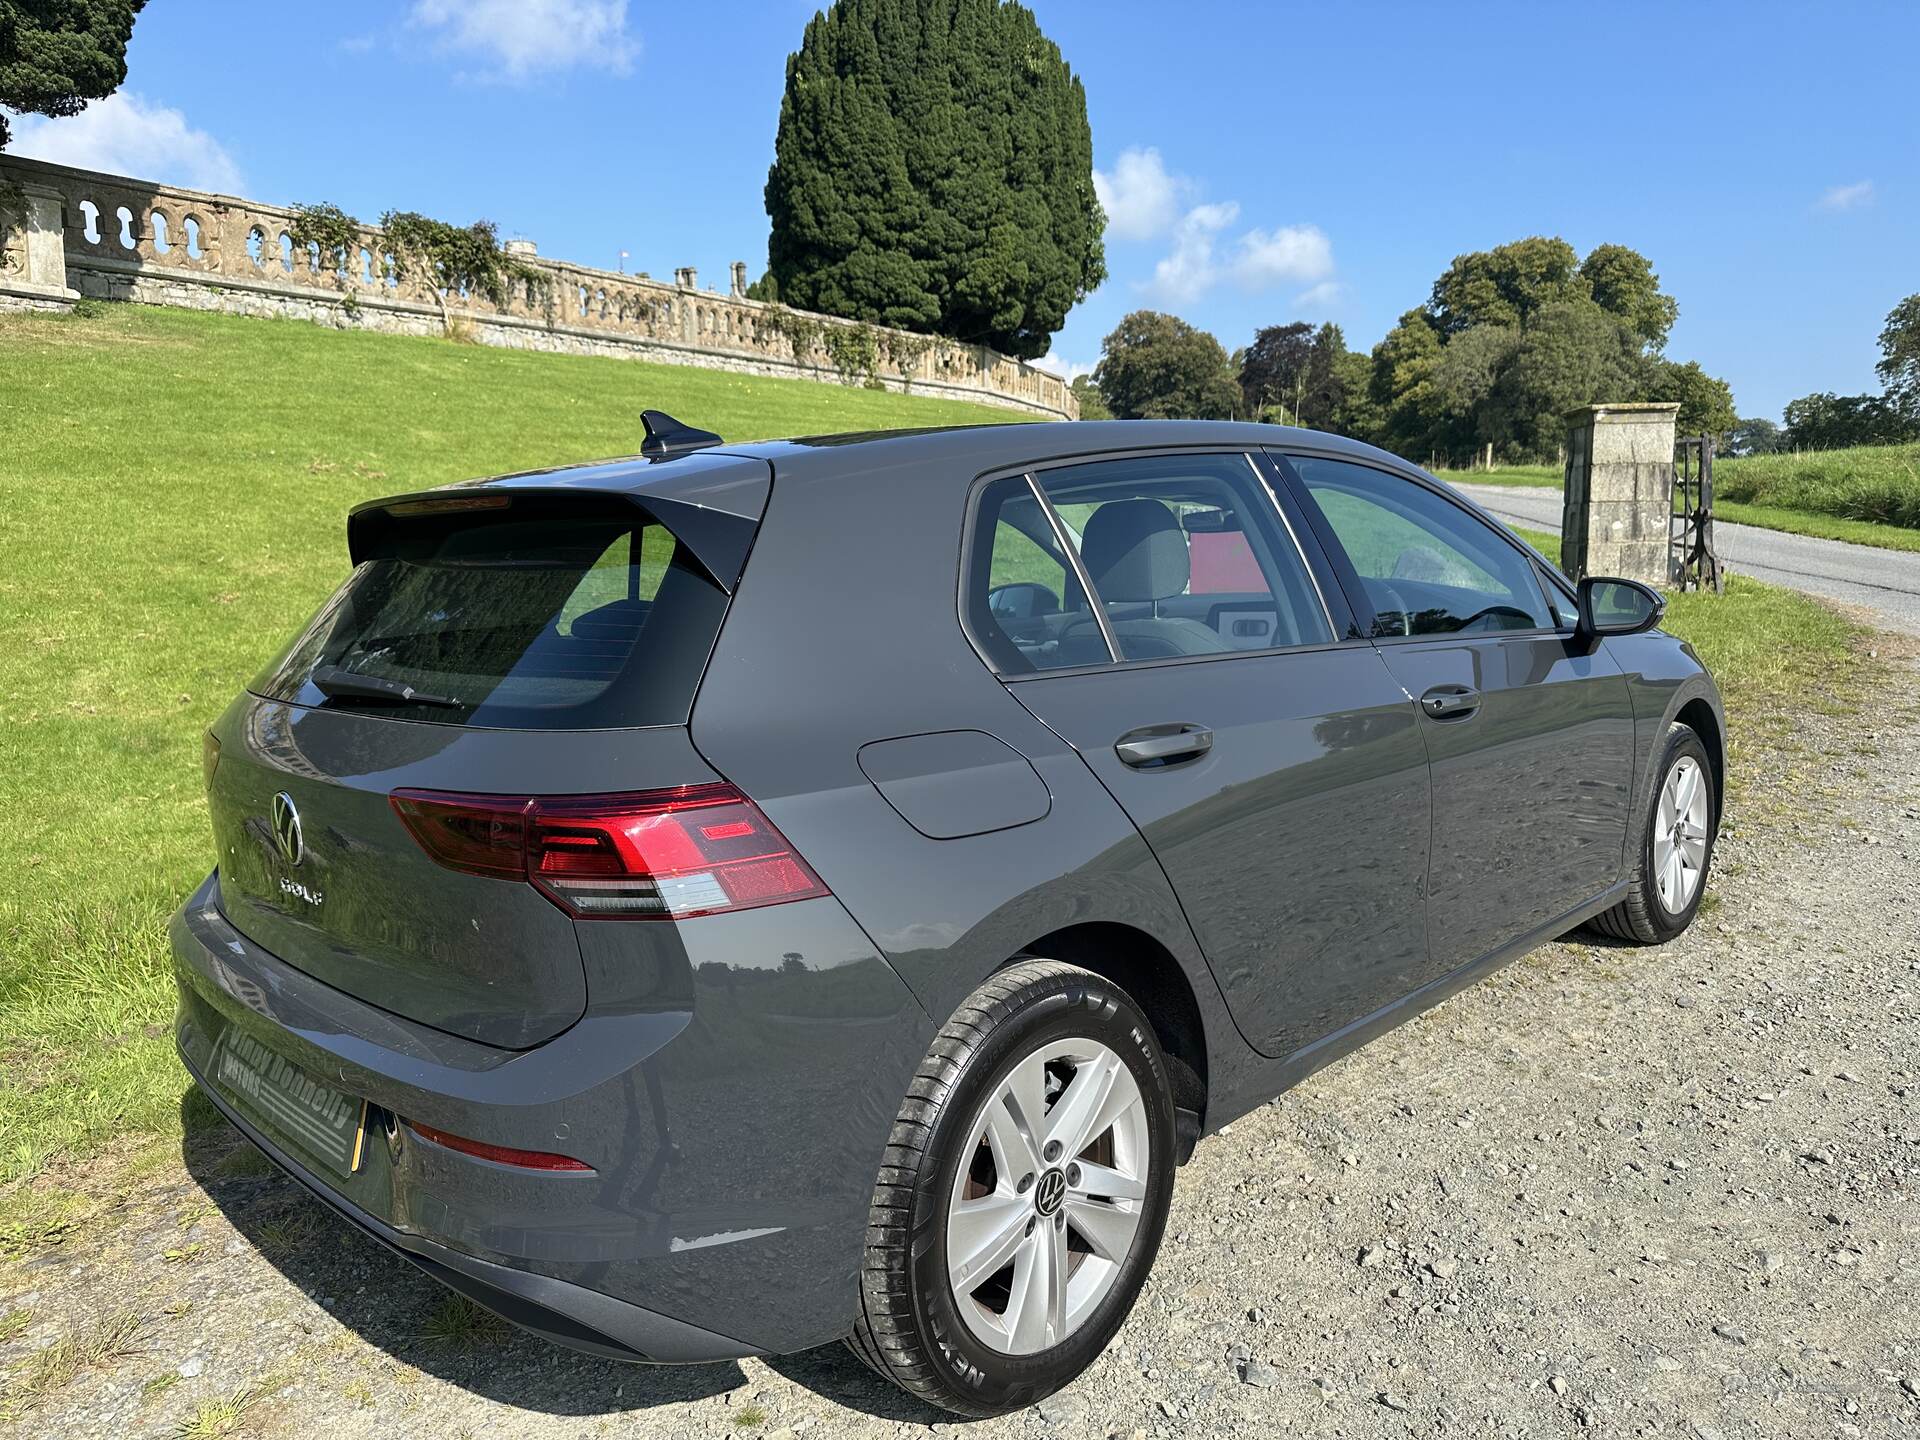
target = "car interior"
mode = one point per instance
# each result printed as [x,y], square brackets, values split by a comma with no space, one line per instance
[1178,571]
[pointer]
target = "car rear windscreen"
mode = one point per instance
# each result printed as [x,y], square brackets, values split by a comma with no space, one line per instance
[565,614]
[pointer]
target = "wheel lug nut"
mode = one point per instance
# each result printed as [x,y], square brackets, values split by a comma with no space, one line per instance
[1029,1226]
[1026,1184]
[1073,1174]
[1053,1150]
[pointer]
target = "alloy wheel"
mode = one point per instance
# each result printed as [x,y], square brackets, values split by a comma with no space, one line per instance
[1049,1196]
[1680,835]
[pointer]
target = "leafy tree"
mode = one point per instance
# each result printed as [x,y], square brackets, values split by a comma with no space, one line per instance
[1753,436]
[1093,405]
[1706,403]
[1299,374]
[1354,413]
[1833,422]
[1156,367]
[1572,353]
[1504,285]
[1899,367]
[1402,386]
[1622,282]
[1274,366]
[1470,368]
[451,260]
[933,170]
[56,55]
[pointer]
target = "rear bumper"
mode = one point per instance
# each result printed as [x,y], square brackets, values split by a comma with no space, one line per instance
[734,1131]
[569,1315]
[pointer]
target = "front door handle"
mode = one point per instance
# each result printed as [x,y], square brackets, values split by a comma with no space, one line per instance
[1450,702]
[1153,746]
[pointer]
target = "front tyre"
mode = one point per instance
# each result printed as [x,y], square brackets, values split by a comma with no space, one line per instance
[1023,1194]
[1673,845]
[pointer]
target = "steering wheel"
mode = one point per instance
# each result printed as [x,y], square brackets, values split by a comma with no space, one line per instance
[1397,605]
[1474,621]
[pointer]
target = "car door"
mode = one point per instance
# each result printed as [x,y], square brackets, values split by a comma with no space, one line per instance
[1283,788]
[1530,734]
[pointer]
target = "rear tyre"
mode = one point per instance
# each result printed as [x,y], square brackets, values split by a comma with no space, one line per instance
[1673,845]
[1023,1195]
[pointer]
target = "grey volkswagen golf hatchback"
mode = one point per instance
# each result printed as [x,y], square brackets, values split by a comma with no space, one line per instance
[744,896]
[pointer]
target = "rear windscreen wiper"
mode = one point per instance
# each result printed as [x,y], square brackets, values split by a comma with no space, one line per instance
[338,684]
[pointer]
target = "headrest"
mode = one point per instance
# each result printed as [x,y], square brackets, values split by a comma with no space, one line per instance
[1135,550]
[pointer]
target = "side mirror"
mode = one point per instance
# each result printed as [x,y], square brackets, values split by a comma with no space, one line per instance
[1617,607]
[1022,600]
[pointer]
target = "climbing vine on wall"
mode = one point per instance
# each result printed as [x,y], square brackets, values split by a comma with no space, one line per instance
[327,229]
[855,351]
[13,213]
[801,332]
[450,261]
[905,352]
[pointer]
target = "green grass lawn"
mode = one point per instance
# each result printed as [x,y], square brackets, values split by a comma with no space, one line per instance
[1865,496]
[173,489]
[172,492]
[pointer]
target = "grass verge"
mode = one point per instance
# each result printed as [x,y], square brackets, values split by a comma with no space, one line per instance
[1762,642]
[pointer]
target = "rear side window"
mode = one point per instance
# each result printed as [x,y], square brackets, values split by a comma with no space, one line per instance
[1186,555]
[542,615]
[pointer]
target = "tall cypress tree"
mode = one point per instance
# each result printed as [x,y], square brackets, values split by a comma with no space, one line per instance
[56,55]
[934,170]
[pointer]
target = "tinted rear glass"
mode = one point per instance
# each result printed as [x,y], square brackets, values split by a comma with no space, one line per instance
[538,616]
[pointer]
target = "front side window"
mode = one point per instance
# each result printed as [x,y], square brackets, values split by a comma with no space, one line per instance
[1186,556]
[1427,566]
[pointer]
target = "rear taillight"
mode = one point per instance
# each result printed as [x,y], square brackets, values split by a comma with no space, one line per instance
[657,855]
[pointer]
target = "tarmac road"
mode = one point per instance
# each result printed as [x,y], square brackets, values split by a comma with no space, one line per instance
[1886,582]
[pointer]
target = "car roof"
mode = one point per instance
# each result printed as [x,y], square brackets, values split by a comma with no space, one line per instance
[732,477]
[995,446]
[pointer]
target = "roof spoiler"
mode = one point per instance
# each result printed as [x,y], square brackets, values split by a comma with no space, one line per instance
[667,437]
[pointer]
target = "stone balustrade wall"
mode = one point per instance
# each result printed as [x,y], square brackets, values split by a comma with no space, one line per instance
[125,239]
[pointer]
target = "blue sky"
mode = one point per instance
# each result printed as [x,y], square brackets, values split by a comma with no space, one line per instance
[1262,163]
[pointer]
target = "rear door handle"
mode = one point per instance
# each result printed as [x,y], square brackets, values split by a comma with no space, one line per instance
[1450,702]
[1152,746]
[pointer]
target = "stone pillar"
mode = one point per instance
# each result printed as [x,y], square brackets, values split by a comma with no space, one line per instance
[739,273]
[33,249]
[1619,491]
[687,277]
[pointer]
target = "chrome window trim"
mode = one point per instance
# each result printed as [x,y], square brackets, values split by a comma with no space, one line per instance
[1306,566]
[1094,602]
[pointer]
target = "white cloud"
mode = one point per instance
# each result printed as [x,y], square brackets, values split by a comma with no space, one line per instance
[1317,299]
[1141,199]
[1058,364]
[1291,254]
[527,37]
[125,135]
[1256,260]
[1191,270]
[1846,197]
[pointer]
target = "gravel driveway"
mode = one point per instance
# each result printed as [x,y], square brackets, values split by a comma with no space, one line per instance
[1607,1192]
[1886,582]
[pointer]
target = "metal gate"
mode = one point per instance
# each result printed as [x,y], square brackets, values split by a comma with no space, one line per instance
[1691,562]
